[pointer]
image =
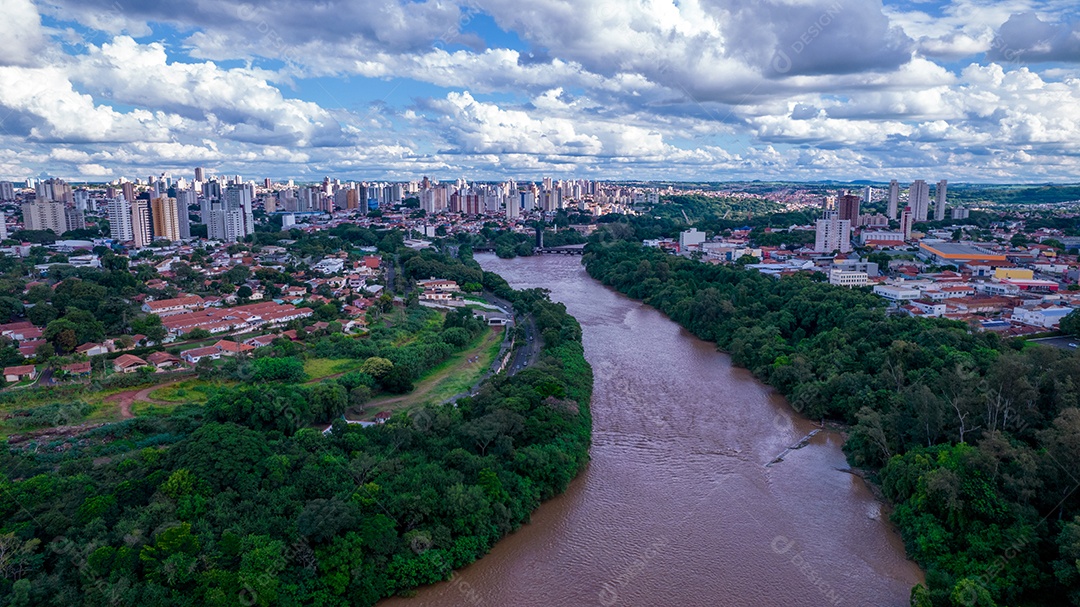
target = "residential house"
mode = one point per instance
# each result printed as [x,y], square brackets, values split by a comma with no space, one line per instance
[232,348]
[92,349]
[260,341]
[176,305]
[163,360]
[20,373]
[128,363]
[194,355]
[77,369]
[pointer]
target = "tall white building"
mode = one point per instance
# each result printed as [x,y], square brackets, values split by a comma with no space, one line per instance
[919,200]
[141,227]
[832,234]
[894,199]
[939,206]
[225,223]
[239,197]
[7,191]
[3,226]
[119,210]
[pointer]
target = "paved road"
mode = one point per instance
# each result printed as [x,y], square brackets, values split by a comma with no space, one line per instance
[1058,342]
[529,351]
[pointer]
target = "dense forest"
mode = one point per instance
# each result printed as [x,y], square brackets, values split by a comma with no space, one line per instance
[974,440]
[696,207]
[243,502]
[1013,194]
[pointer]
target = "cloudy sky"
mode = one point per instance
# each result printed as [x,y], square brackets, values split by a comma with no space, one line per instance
[970,90]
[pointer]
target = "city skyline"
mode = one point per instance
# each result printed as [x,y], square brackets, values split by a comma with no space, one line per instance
[969,91]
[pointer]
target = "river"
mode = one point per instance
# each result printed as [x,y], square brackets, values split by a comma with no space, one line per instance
[677,506]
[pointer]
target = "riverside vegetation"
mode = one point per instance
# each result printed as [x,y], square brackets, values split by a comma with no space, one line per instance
[972,438]
[242,502]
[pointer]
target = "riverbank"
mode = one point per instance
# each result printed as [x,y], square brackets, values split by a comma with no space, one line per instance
[676,505]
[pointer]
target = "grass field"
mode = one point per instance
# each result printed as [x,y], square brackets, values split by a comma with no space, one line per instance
[321,368]
[458,374]
[188,391]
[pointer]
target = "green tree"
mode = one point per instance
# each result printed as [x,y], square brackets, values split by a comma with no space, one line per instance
[1071,323]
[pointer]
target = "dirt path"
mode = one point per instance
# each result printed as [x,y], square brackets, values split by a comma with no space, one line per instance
[126,399]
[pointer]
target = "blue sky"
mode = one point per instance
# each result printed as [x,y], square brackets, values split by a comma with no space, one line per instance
[969,90]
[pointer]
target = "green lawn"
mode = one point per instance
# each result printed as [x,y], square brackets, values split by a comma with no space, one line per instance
[188,391]
[321,368]
[454,376]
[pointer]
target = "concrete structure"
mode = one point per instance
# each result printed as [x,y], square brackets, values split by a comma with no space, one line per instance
[141,228]
[1046,317]
[882,238]
[919,199]
[119,211]
[691,237]
[894,199]
[897,292]
[832,234]
[849,208]
[939,206]
[848,278]
[166,218]
[1013,273]
[941,252]
[45,216]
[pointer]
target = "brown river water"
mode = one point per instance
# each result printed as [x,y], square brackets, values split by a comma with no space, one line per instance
[677,507]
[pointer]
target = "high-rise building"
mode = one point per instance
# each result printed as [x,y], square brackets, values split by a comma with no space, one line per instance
[939,205]
[82,199]
[868,194]
[53,190]
[894,199]
[185,199]
[119,210]
[141,227]
[166,218]
[3,226]
[240,196]
[199,176]
[960,213]
[832,234]
[74,219]
[128,190]
[907,219]
[45,216]
[849,208]
[226,224]
[919,200]
[7,191]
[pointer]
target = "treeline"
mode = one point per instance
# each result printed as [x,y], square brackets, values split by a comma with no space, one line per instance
[698,207]
[973,439]
[238,504]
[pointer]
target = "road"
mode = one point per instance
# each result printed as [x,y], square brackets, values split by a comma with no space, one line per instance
[1058,342]
[529,351]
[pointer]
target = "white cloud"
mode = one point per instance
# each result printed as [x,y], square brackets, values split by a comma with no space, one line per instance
[20,30]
